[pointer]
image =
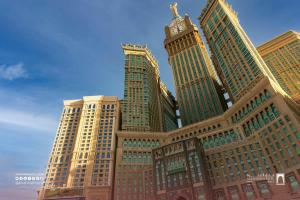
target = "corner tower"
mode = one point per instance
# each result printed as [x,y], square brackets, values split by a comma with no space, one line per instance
[282,56]
[198,92]
[237,62]
[147,105]
[140,106]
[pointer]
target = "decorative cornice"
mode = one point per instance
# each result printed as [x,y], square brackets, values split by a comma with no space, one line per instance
[279,41]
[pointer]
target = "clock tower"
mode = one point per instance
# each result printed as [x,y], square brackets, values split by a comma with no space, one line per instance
[198,92]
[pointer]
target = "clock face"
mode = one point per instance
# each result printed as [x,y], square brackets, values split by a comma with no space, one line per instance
[181,26]
[174,30]
[177,27]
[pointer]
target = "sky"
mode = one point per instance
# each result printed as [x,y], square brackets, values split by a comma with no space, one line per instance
[53,50]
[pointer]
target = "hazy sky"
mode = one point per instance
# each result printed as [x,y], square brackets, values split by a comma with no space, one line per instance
[51,50]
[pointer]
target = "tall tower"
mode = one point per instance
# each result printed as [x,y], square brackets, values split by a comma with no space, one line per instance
[143,108]
[140,107]
[196,86]
[237,61]
[282,55]
[83,156]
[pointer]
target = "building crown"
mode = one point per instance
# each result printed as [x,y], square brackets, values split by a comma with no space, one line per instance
[176,17]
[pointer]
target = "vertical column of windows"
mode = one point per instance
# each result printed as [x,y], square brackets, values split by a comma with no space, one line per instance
[59,163]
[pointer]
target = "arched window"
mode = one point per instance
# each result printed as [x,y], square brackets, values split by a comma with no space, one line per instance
[267,93]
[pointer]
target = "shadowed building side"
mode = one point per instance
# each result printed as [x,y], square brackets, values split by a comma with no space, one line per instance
[143,106]
[169,107]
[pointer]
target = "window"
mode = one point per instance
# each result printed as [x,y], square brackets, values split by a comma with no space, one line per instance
[293,183]
[249,191]
[264,189]
[219,195]
[234,193]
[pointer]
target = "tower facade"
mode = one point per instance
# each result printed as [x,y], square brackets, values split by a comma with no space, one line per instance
[82,161]
[142,107]
[198,94]
[282,55]
[261,115]
[168,104]
[148,111]
[237,61]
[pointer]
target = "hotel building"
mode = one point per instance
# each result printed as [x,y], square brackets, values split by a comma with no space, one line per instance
[221,157]
[146,98]
[258,135]
[148,109]
[198,92]
[282,55]
[233,153]
[236,60]
[81,164]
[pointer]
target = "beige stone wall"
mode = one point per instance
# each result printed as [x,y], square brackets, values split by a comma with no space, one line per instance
[89,127]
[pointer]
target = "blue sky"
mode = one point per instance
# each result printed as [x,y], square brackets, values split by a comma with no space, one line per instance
[53,50]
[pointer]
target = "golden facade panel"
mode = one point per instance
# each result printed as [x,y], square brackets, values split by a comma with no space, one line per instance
[282,55]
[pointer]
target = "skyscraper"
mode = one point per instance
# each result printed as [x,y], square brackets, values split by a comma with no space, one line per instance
[282,55]
[261,110]
[148,110]
[198,94]
[142,107]
[237,61]
[258,135]
[81,164]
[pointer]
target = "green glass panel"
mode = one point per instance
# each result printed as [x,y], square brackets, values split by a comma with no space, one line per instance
[263,97]
[270,114]
[275,111]
[268,94]
[265,117]
[256,126]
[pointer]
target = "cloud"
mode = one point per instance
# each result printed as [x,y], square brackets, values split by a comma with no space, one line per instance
[11,72]
[27,120]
